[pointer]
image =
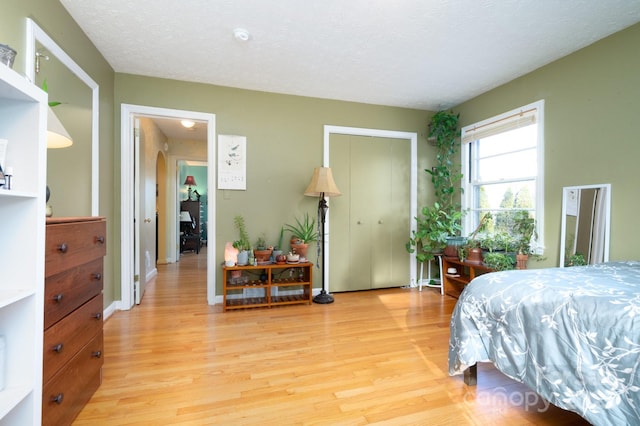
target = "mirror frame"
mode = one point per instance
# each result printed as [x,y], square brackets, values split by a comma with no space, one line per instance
[607,220]
[37,34]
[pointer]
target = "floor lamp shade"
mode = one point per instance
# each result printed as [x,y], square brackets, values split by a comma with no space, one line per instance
[322,183]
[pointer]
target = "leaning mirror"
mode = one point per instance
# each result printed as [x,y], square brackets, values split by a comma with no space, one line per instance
[585,225]
[76,194]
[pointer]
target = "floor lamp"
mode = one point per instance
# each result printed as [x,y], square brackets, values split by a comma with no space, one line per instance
[322,185]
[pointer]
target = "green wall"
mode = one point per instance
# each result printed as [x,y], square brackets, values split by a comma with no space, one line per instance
[592,105]
[284,144]
[56,22]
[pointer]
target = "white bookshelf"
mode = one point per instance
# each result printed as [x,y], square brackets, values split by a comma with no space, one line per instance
[23,114]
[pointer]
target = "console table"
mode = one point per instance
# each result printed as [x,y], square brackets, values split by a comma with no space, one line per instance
[465,272]
[266,285]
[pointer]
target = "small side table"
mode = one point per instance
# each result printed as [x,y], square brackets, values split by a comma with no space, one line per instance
[437,282]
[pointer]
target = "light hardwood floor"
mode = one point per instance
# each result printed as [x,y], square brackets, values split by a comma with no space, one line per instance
[375,357]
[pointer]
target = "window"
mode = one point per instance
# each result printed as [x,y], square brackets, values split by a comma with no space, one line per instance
[502,161]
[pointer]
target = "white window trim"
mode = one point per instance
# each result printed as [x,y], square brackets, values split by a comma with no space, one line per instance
[466,185]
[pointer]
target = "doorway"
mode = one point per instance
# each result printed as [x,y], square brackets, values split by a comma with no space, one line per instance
[131,219]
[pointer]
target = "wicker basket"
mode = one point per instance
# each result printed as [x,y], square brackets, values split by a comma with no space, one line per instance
[7,55]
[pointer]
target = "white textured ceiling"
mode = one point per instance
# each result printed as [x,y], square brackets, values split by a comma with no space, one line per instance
[425,54]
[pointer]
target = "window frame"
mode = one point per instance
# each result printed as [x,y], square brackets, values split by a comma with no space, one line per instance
[468,223]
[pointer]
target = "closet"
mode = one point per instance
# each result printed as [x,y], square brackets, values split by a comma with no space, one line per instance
[369,223]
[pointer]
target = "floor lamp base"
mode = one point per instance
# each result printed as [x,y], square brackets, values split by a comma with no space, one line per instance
[323,297]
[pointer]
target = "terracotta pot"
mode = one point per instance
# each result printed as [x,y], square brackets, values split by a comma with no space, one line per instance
[262,255]
[281,258]
[300,249]
[474,255]
[521,261]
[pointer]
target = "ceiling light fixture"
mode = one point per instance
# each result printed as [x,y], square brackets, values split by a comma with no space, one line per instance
[241,34]
[187,123]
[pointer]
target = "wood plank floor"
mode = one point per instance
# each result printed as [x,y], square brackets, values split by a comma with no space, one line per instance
[376,357]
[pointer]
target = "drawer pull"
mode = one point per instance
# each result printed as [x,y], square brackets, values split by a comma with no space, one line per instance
[97,276]
[58,298]
[58,398]
[62,248]
[97,315]
[96,354]
[100,239]
[58,348]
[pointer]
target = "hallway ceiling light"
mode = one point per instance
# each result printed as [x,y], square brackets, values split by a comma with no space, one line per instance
[187,123]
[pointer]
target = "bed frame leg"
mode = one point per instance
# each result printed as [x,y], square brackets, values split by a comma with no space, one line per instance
[471,375]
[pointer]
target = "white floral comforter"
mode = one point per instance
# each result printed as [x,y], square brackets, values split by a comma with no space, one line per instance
[571,334]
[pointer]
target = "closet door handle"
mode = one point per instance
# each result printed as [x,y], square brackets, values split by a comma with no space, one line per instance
[58,398]
[97,276]
[100,239]
[58,348]
[96,354]
[62,248]
[58,298]
[97,315]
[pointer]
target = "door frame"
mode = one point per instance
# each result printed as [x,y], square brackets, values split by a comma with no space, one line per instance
[413,184]
[128,112]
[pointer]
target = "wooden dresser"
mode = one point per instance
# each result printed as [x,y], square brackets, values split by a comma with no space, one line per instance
[72,361]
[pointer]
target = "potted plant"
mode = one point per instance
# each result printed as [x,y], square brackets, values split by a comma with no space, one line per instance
[242,243]
[575,259]
[262,253]
[277,250]
[444,219]
[498,261]
[303,232]
[434,225]
[474,251]
[524,228]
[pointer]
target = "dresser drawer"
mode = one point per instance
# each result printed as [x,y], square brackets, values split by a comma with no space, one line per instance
[70,334]
[72,387]
[67,290]
[73,243]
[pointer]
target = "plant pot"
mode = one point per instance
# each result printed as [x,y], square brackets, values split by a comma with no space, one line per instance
[243,258]
[300,249]
[453,243]
[262,256]
[474,255]
[521,261]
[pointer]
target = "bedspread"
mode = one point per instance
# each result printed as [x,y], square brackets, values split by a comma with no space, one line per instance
[570,334]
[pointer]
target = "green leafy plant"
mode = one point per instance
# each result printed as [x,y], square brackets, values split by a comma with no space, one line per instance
[576,259]
[243,242]
[446,174]
[261,243]
[434,225]
[280,238]
[304,230]
[524,229]
[498,261]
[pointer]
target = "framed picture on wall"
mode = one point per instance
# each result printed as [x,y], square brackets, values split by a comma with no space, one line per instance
[232,162]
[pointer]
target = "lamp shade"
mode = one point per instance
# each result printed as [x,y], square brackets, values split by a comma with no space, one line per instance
[185,216]
[190,180]
[57,135]
[322,183]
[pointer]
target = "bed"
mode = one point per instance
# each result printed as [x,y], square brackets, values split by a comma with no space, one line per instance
[570,334]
